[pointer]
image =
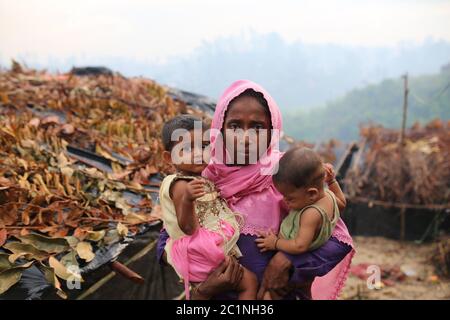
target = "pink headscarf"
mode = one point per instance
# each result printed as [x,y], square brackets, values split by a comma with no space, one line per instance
[236,182]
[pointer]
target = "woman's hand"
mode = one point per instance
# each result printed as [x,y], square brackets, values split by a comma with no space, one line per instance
[267,241]
[276,276]
[225,278]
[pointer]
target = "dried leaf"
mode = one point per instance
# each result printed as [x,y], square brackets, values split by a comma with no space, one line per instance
[3,236]
[50,276]
[72,241]
[68,129]
[133,218]
[84,250]
[28,250]
[61,270]
[62,160]
[34,122]
[4,262]
[11,276]
[50,120]
[67,172]
[122,230]
[112,236]
[49,245]
[95,235]
[70,259]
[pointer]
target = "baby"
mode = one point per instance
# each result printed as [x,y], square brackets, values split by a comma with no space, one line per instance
[202,229]
[314,210]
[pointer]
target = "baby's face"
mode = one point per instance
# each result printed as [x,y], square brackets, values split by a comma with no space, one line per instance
[295,198]
[191,154]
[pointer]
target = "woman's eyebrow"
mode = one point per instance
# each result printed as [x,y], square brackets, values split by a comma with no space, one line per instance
[234,120]
[258,121]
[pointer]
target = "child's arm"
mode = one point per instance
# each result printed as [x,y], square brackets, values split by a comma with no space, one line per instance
[183,196]
[309,222]
[333,186]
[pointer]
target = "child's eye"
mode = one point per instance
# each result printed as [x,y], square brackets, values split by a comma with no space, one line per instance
[205,145]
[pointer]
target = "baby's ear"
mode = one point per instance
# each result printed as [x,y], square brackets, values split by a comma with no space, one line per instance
[312,193]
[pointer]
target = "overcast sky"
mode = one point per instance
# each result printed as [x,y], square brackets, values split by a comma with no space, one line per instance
[155,30]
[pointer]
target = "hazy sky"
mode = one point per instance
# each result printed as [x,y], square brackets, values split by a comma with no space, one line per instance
[151,30]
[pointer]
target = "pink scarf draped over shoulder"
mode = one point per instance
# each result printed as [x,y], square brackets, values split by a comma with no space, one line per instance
[249,189]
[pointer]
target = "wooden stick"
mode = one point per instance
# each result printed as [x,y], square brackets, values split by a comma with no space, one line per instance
[126,272]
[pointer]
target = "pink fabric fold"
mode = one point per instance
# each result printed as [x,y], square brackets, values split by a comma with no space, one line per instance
[195,257]
[329,286]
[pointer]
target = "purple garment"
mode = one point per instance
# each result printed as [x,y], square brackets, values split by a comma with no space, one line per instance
[306,266]
[160,245]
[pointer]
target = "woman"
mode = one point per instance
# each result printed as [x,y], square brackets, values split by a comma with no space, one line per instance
[245,182]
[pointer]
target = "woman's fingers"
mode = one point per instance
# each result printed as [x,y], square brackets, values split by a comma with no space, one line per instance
[223,266]
[229,270]
[236,272]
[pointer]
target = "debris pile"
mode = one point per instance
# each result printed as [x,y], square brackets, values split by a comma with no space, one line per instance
[416,172]
[327,150]
[441,257]
[78,154]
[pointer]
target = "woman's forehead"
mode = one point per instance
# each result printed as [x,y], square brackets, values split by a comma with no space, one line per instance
[247,107]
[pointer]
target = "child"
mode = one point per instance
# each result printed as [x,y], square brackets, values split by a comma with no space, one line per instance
[314,209]
[202,229]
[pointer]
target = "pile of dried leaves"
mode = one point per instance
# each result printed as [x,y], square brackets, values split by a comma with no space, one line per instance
[57,204]
[417,173]
[327,149]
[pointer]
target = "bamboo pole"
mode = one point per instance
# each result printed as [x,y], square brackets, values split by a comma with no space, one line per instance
[402,152]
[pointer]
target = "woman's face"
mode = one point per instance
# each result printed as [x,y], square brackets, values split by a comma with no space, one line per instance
[246,130]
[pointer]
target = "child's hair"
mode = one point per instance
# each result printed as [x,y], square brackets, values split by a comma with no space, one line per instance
[184,121]
[300,167]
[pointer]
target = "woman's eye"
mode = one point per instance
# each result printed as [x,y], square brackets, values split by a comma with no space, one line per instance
[259,126]
[205,145]
[233,126]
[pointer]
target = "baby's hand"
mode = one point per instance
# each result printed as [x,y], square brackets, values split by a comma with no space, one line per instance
[267,241]
[330,175]
[195,189]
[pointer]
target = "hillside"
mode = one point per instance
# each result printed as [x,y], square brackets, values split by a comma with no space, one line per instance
[381,103]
